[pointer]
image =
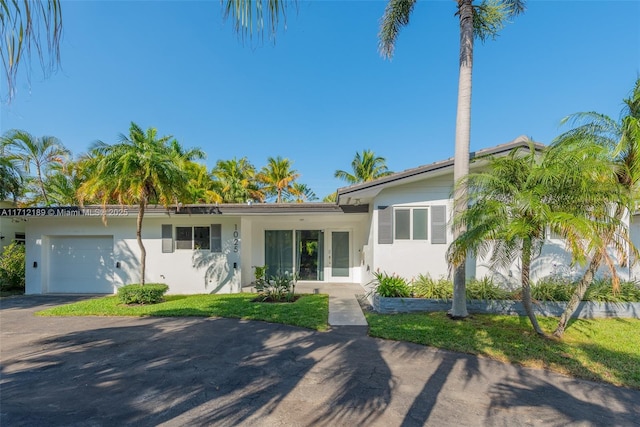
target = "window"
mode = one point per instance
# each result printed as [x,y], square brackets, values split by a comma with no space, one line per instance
[193,238]
[19,238]
[411,223]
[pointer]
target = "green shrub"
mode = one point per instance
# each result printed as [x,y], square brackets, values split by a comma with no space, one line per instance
[275,289]
[392,286]
[150,293]
[552,289]
[426,287]
[601,290]
[12,267]
[485,289]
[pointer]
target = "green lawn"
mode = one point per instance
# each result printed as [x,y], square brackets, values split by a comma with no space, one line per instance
[602,350]
[309,311]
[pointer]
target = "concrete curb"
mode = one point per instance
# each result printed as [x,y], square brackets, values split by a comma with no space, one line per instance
[586,309]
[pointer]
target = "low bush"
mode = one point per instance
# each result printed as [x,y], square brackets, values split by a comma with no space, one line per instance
[426,287]
[391,285]
[485,289]
[550,289]
[12,267]
[150,293]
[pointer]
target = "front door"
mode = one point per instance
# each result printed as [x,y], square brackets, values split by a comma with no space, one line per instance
[339,257]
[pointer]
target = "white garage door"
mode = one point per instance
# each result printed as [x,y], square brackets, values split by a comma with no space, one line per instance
[80,264]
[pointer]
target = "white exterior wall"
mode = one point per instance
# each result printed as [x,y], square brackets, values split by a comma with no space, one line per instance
[185,271]
[409,258]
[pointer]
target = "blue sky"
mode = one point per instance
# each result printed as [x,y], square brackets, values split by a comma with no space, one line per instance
[322,91]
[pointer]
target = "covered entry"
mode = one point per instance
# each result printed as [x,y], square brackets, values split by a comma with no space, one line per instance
[311,254]
[80,264]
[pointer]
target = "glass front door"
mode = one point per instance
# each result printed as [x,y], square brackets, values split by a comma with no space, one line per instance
[340,251]
[305,256]
[310,254]
[278,252]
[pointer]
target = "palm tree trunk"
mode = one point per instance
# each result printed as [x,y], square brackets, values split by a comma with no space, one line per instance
[41,182]
[463,136]
[578,294]
[143,251]
[526,286]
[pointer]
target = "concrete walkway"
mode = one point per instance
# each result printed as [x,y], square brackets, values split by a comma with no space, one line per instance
[344,308]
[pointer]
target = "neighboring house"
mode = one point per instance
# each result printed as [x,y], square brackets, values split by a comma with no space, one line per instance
[12,229]
[397,224]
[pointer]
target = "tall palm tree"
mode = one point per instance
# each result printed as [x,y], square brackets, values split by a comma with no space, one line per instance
[277,177]
[140,169]
[482,20]
[622,140]
[366,166]
[519,196]
[236,181]
[39,154]
[28,26]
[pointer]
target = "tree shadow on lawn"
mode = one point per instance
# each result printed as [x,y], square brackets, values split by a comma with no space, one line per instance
[189,371]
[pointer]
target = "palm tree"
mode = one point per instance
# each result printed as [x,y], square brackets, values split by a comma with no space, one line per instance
[366,167]
[483,20]
[523,194]
[256,15]
[200,187]
[140,169]
[277,177]
[300,193]
[63,183]
[622,141]
[236,181]
[41,154]
[27,26]
[11,178]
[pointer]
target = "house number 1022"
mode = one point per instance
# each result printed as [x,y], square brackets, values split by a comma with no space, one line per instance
[235,237]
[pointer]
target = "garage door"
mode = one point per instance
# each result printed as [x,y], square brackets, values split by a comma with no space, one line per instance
[80,264]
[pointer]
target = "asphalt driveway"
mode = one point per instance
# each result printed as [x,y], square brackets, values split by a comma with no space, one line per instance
[93,371]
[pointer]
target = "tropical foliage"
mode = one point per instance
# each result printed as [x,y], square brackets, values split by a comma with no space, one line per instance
[277,178]
[12,267]
[140,169]
[29,27]
[523,194]
[620,141]
[366,166]
[37,155]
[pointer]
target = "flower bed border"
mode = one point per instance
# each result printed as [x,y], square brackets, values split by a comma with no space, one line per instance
[586,309]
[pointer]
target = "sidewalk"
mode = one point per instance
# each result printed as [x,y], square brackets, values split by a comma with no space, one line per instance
[344,309]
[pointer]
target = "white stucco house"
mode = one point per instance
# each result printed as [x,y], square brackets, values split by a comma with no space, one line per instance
[397,224]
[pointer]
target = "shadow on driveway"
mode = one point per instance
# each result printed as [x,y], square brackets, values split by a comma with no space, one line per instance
[151,371]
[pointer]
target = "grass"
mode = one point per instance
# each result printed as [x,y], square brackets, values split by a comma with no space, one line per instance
[309,311]
[605,350]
